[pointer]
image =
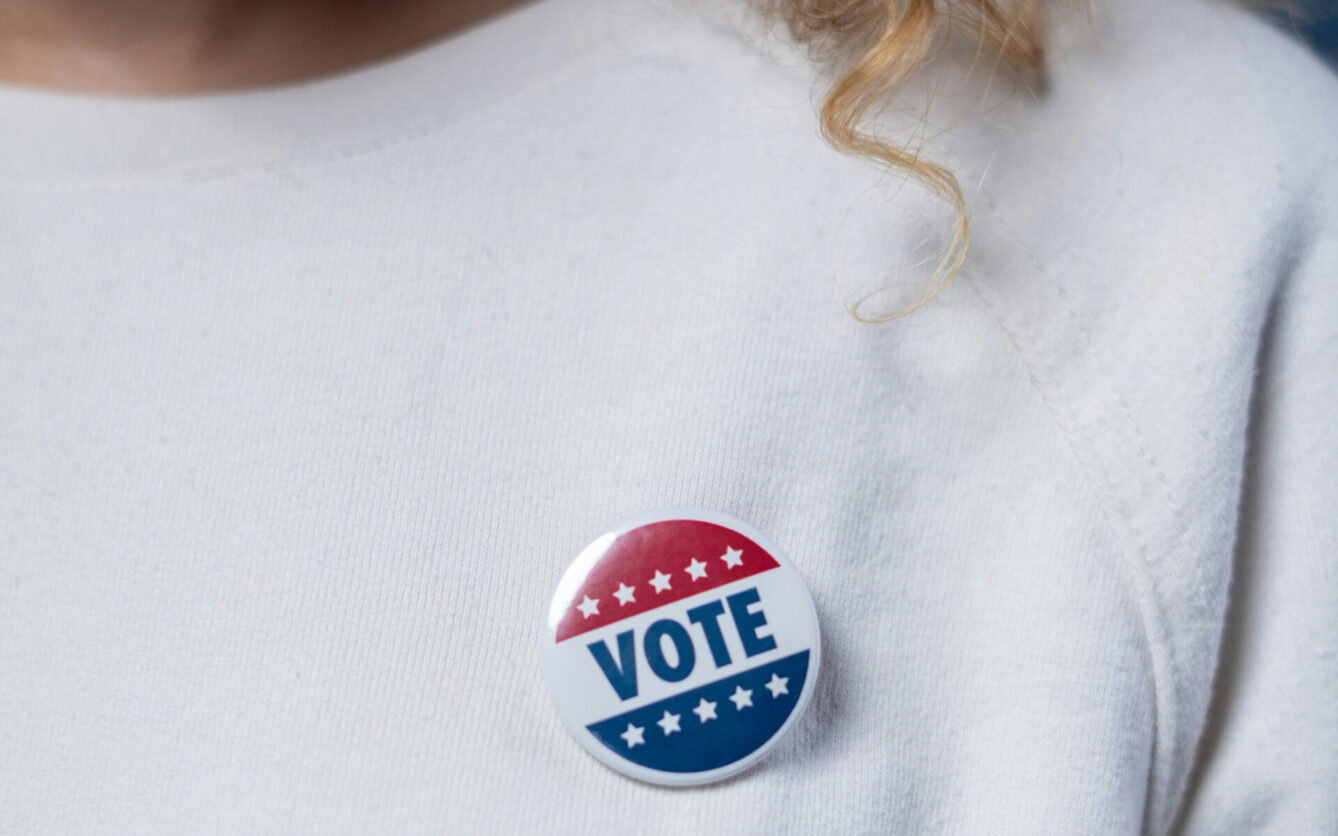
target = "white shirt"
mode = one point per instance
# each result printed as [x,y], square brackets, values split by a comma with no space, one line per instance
[311,394]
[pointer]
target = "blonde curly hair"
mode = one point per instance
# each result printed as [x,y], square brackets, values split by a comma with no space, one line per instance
[878,43]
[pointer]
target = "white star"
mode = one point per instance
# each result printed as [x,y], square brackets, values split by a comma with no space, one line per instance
[742,697]
[589,607]
[696,569]
[732,557]
[777,685]
[669,722]
[625,595]
[660,581]
[634,735]
[705,710]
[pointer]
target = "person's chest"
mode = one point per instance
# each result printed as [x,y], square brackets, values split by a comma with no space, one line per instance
[295,461]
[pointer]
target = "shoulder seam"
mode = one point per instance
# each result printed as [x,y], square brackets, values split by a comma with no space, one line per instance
[1112,415]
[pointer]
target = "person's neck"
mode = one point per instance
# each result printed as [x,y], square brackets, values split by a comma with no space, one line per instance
[175,47]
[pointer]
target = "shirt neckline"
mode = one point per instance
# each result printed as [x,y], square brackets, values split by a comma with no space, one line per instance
[55,137]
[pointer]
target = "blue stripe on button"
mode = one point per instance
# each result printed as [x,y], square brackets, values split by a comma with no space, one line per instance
[702,745]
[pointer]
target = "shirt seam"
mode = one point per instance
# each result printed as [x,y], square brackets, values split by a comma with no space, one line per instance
[1132,542]
[155,179]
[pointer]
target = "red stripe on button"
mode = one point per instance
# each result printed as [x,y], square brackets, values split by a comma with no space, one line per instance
[660,550]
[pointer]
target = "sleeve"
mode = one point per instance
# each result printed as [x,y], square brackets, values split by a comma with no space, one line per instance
[1268,759]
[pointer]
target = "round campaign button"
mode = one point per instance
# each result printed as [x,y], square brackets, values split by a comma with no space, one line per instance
[680,647]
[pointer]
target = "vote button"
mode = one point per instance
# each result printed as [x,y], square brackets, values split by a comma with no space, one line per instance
[680,647]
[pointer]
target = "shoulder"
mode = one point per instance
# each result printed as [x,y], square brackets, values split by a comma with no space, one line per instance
[1205,93]
[1132,232]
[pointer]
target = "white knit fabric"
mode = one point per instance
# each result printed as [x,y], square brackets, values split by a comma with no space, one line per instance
[309,396]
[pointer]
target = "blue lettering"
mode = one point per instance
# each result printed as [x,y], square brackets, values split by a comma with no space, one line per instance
[678,634]
[747,622]
[622,673]
[708,616]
